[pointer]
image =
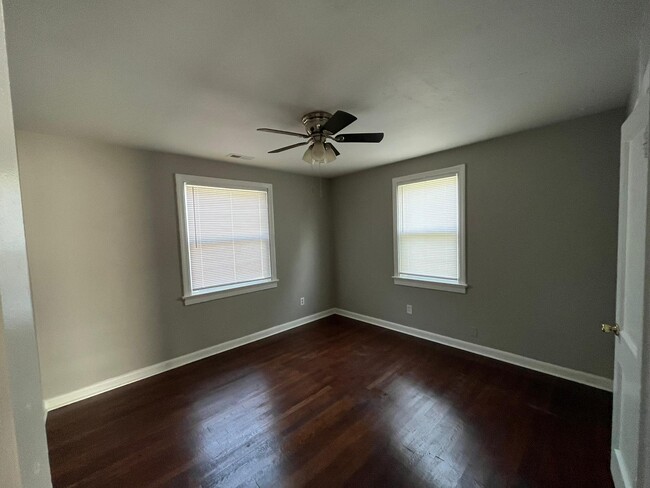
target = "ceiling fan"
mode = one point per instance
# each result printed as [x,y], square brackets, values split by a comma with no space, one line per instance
[321,127]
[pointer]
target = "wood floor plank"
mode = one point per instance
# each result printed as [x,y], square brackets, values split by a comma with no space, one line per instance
[337,403]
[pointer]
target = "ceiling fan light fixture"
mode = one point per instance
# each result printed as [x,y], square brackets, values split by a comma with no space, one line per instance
[320,127]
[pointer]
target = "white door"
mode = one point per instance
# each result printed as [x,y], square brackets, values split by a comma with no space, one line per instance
[629,428]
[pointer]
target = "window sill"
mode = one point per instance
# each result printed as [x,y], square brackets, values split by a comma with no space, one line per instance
[433,285]
[229,291]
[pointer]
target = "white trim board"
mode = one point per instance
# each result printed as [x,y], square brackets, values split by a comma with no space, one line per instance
[140,374]
[507,357]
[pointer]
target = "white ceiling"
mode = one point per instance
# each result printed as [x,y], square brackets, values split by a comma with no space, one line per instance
[198,77]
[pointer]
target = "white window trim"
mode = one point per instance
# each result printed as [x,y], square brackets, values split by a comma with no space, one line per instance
[190,297]
[456,286]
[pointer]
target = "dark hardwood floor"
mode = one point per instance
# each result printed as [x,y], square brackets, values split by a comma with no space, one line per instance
[337,403]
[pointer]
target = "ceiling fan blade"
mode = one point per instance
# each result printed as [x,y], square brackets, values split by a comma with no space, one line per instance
[363,137]
[284,132]
[288,147]
[333,148]
[340,120]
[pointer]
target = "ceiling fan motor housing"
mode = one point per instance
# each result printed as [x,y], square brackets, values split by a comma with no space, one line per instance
[313,121]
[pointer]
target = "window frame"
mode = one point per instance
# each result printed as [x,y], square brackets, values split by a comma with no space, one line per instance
[456,286]
[191,297]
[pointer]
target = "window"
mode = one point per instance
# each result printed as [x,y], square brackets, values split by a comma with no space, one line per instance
[226,232]
[429,221]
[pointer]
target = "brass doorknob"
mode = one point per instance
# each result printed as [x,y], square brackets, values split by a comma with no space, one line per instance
[610,329]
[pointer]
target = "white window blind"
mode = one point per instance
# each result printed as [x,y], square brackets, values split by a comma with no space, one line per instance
[228,236]
[428,228]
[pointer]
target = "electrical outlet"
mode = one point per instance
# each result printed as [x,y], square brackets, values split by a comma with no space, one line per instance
[409,309]
[302,301]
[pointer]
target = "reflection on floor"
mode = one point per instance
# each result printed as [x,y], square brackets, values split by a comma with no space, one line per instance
[337,403]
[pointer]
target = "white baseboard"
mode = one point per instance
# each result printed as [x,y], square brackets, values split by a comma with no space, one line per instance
[508,357]
[146,372]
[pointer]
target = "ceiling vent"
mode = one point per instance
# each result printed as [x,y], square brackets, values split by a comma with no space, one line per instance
[240,156]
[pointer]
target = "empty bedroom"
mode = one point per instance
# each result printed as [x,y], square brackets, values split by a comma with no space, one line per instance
[324,244]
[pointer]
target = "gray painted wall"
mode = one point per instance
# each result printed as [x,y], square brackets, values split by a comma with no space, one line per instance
[541,244]
[102,238]
[23,445]
[643,57]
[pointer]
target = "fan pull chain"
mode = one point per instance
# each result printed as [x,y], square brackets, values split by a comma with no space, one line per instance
[320,179]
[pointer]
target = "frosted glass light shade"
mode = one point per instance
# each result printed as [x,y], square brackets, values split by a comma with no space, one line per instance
[330,155]
[318,152]
[307,157]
